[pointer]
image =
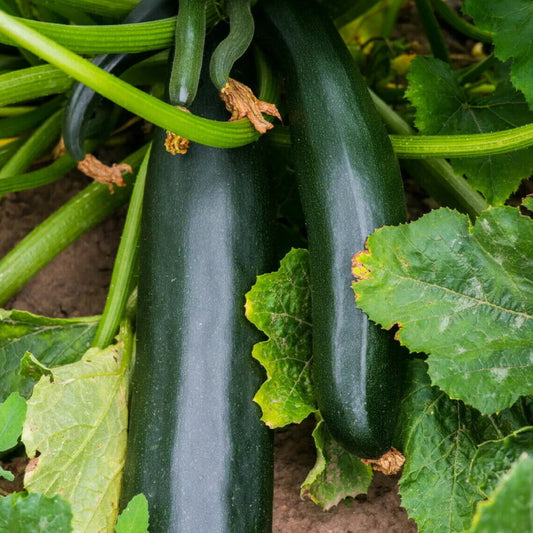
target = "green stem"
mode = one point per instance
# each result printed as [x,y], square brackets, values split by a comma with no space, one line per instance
[235,44]
[32,82]
[35,146]
[124,264]
[197,129]
[471,73]
[109,8]
[498,142]
[188,52]
[77,216]
[436,176]
[457,22]
[432,30]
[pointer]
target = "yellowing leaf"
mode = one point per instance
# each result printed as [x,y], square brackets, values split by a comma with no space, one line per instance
[279,305]
[77,425]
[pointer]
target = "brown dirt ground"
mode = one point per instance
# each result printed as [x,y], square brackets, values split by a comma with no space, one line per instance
[76,283]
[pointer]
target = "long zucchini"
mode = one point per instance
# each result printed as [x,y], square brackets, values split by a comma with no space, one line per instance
[349,183]
[197,448]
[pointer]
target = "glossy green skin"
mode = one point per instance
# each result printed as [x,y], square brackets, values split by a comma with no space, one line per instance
[197,448]
[349,184]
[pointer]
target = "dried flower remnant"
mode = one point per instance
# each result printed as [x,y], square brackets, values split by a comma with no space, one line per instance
[108,175]
[174,143]
[390,463]
[59,149]
[241,102]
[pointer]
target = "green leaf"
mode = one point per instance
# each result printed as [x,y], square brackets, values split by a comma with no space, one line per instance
[511,23]
[510,507]
[279,305]
[494,458]
[31,367]
[438,437]
[527,202]
[461,293]
[134,519]
[53,341]
[78,424]
[444,107]
[337,474]
[34,513]
[12,415]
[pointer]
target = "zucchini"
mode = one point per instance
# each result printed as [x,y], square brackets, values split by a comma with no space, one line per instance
[349,184]
[197,447]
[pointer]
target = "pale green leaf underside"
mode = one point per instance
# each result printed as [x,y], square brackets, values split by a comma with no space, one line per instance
[78,424]
[336,475]
[463,295]
[279,305]
[510,507]
[511,23]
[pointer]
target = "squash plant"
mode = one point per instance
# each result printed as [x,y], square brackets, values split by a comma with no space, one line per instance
[454,287]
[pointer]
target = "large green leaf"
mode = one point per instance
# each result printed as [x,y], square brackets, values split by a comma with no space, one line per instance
[439,438]
[511,23]
[279,304]
[461,293]
[510,507]
[337,474]
[444,107]
[77,422]
[34,513]
[52,341]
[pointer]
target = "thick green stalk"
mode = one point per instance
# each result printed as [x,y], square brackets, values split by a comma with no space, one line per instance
[109,8]
[77,216]
[188,52]
[32,82]
[125,261]
[436,176]
[204,131]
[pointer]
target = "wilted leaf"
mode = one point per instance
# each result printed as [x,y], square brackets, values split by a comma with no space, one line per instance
[444,107]
[462,294]
[134,519]
[53,341]
[337,474]
[78,424]
[511,23]
[494,458]
[279,305]
[510,506]
[34,513]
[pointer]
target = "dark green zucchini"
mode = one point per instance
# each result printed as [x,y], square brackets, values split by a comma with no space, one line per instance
[349,183]
[197,448]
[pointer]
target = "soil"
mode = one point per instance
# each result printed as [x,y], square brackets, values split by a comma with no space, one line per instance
[75,283]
